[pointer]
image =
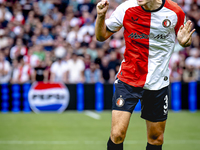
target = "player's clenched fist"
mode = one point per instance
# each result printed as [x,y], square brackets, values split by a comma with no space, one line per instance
[102,7]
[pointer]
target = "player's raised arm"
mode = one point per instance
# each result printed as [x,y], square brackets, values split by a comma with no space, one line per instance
[101,31]
[184,35]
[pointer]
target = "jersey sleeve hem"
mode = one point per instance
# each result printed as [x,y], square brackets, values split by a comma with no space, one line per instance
[110,29]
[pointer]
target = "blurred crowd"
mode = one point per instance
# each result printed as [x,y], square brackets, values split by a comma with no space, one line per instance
[53,40]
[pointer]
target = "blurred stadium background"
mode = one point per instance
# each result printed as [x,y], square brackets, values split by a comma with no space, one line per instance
[51,43]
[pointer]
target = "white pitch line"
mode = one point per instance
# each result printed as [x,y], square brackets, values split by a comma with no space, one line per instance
[167,142]
[133,142]
[39,142]
[92,114]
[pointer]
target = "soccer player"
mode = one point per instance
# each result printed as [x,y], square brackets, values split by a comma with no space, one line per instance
[150,28]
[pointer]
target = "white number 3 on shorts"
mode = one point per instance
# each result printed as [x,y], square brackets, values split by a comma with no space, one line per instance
[166,105]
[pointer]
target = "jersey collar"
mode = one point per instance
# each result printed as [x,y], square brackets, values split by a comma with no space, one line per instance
[163,3]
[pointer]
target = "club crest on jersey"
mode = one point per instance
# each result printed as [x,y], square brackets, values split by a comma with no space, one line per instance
[120,101]
[166,23]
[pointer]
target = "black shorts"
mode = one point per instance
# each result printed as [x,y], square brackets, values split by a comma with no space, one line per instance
[154,103]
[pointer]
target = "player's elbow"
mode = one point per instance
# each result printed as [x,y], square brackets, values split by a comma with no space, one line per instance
[100,38]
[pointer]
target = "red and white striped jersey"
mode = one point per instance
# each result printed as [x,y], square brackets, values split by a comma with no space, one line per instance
[150,39]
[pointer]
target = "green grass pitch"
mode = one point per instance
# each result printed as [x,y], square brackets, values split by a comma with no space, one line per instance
[77,131]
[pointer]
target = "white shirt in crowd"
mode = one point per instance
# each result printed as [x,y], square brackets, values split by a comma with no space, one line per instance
[7,68]
[14,50]
[75,69]
[22,74]
[7,16]
[59,68]
[84,30]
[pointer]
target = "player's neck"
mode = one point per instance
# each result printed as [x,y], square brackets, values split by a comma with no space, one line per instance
[153,5]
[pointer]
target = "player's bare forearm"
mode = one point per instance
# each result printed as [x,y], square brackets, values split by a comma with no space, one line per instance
[184,35]
[101,31]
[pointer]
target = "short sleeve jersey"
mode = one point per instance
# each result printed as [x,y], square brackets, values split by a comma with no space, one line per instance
[150,39]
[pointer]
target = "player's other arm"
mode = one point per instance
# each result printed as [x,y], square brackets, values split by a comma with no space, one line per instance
[101,31]
[184,34]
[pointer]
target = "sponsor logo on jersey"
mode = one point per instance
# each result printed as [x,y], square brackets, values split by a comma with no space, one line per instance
[48,97]
[151,36]
[166,23]
[120,101]
[134,19]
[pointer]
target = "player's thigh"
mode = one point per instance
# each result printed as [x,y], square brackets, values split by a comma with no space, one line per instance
[120,122]
[155,132]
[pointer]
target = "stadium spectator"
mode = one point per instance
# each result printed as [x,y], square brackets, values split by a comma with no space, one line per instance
[93,74]
[86,6]
[86,31]
[59,67]
[5,15]
[59,42]
[45,6]
[27,34]
[72,36]
[114,62]
[113,65]
[105,70]
[18,49]
[5,69]
[6,52]
[190,73]
[175,75]
[87,60]
[30,18]
[14,71]
[63,5]
[38,50]
[37,11]
[4,41]
[193,58]
[45,40]
[22,72]
[39,72]
[48,22]
[26,7]
[91,50]
[31,58]
[196,41]
[116,41]
[56,16]
[75,69]
[18,17]
[48,63]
